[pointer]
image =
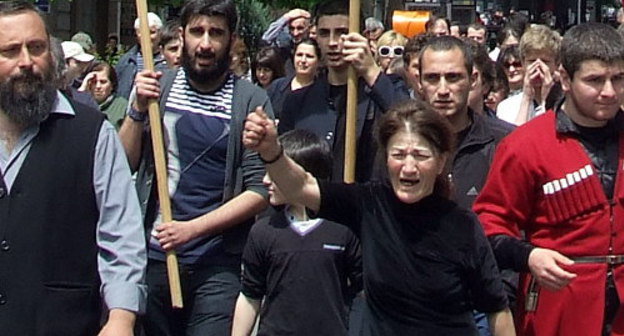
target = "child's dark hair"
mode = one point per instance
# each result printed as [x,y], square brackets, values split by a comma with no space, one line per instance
[309,151]
[170,31]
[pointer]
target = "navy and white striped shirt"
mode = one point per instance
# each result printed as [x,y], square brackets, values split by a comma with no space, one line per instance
[196,126]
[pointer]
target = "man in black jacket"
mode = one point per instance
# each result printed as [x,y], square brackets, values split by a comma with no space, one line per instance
[320,107]
[446,76]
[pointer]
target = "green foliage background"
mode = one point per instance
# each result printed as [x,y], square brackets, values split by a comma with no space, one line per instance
[254,19]
[255,15]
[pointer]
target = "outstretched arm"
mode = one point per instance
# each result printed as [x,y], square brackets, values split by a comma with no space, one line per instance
[294,182]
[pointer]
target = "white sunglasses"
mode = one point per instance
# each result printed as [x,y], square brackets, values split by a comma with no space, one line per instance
[390,51]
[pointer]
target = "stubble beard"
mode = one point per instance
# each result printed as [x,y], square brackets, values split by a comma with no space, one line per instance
[28,98]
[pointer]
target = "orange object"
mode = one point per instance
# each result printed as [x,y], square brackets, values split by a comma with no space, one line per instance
[410,23]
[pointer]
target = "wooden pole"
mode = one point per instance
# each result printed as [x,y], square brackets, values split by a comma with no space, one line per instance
[352,87]
[159,155]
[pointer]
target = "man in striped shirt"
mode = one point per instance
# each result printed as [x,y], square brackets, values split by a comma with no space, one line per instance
[215,184]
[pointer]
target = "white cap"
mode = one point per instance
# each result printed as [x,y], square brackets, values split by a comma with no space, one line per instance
[74,50]
[152,19]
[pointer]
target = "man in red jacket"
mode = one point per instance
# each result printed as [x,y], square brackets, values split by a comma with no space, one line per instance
[555,181]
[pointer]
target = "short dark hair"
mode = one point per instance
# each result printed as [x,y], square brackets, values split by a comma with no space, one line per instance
[435,18]
[309,151]
[446,43]
[418,117]
[414,47]
[112,74]
[476,26]
[333,7]
[225,8]
[481,61]
[268,57]
[500,80]
[518,21]
[170,31]
[590,41]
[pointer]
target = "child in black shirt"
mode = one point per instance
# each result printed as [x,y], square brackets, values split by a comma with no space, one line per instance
[306,270]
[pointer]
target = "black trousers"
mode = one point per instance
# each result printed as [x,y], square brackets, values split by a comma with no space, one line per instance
[209,294]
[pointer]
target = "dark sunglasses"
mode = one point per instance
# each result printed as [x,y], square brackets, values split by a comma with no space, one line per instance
[516,64]
[390,51]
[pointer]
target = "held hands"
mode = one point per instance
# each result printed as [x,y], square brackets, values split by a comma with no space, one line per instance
[173,234]
[544,265]
[260,134]
[147,87]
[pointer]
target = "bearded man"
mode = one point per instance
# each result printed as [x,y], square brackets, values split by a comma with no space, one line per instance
[215,184]
[71,240]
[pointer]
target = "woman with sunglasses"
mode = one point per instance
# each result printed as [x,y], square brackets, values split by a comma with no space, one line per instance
[389,46]
[509,59]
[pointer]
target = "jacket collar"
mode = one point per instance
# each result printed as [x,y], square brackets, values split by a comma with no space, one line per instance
[563,123]
[478,132]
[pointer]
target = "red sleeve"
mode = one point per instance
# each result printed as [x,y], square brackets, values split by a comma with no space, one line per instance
[507,201]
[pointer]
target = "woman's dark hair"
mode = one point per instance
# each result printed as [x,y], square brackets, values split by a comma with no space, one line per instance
[268,57]
[507,31]
[309,151]
[112,74]
[309,41]
[225,8]
[508,53]
[418,117]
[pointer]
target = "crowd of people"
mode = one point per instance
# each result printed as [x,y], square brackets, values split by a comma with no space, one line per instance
[487,199]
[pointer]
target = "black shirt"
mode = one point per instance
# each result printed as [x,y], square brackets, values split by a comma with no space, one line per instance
[307,280]
[426,265]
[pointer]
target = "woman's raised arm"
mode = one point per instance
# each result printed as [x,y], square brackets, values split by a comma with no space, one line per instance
[298,186]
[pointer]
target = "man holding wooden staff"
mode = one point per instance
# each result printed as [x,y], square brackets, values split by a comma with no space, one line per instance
[321,109]
[215,184]
[71,240]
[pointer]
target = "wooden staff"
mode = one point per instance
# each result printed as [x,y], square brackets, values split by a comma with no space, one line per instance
[352,87]
[159,155]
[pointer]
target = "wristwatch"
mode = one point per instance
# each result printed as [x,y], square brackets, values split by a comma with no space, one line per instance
[136,115]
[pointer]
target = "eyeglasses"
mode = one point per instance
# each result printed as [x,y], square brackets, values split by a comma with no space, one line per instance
[516,64]
[390,51]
